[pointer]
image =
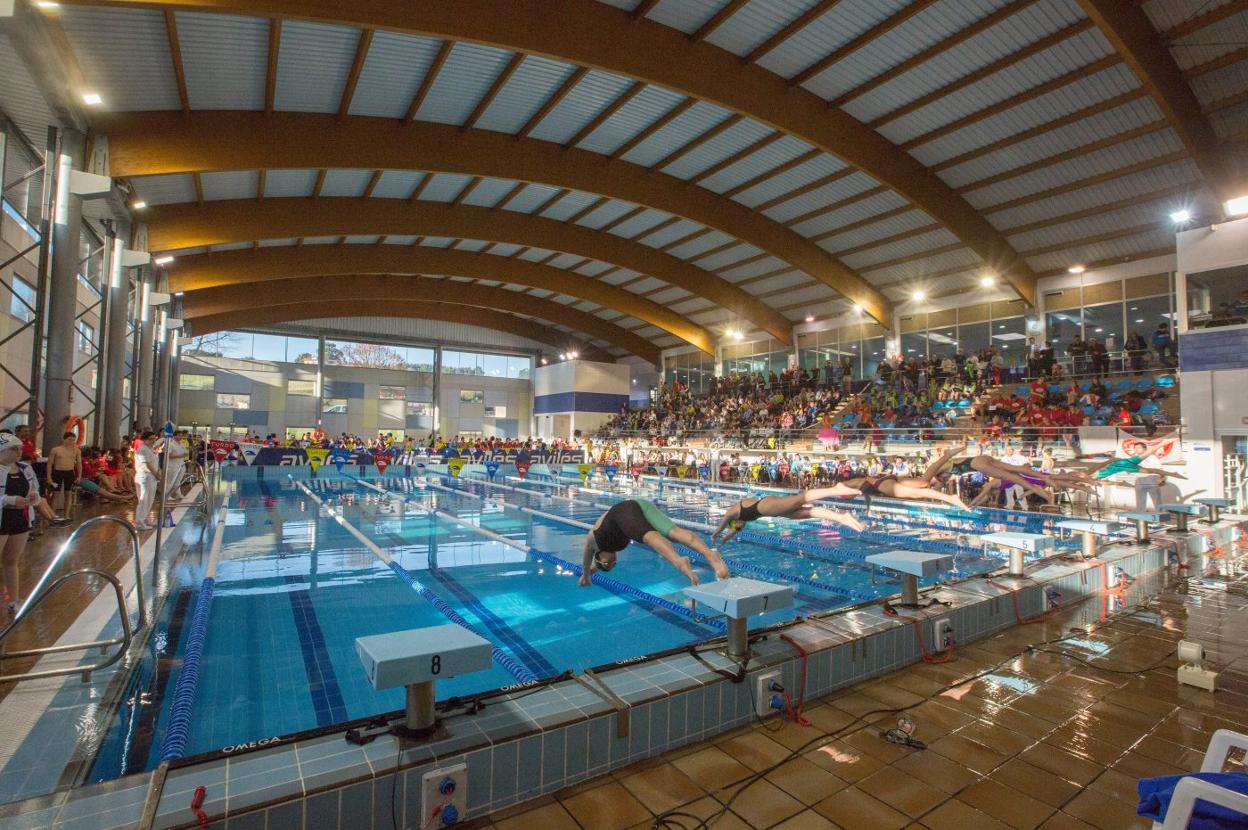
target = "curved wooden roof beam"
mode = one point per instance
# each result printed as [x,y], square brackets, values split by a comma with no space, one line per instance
[245,268]
[187,225]
[1148,54]
[413,309]
[593,34]
[340,293]
[160,143]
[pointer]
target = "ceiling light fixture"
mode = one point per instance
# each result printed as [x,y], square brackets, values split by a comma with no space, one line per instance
[1237,206]
[139,205]
[919,296]
[162,260]
[92,99]
[987,281]
[1076,269]
[810,318]
[1181,217]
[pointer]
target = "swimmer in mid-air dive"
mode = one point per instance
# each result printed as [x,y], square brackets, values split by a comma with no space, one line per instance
[638,520]
[909,489]
[797,507]
[1041,484]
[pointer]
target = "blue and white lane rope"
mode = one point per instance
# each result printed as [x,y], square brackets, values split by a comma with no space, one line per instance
[602,580]
[731,562]
[178,732]
[513,666]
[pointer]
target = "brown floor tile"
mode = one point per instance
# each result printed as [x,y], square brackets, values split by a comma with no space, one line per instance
[792,736]
[846,762]
[1107,813]
[809,783]
[608,807]
[1077,742]
[947,776]
[1141,766]
[550,817]
[1037,783]
[1062,821]
[1116,784]
[1022,723]
[829,719]
[661,788]
[755,750]
[974,756]
[711,768]
[808,820]
[902,792]
[853,809]
[1169,752]
[958,815]
[1000,738]
[702,808]
[762,804]
[871,741]
[1006,804]
[1061,763]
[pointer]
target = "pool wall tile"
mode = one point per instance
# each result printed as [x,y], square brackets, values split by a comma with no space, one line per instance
[480,780]
[576,752]
[553,751]
[285,816]
[504,777]
[356,804]
[323,809]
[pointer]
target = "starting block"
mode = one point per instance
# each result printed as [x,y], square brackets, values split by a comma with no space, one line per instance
[1180,512]
[913,566]
[1089,529]
[1018,544]
[739,598]
[1142,520]
[1215,507]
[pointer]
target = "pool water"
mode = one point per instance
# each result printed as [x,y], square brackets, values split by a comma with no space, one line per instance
[294,589]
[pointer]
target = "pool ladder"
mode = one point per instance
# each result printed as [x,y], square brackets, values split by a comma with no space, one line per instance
[45,589]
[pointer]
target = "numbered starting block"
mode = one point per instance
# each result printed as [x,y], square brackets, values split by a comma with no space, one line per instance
[1089,530]
[1142,520]
[1215,507]
[913,566]
[1180,512]
[738,599]
[1019,544]
[416,658]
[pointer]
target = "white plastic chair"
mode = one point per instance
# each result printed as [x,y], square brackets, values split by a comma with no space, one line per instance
[1190,790]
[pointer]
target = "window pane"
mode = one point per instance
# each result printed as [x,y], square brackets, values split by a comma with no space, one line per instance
[973,337]
[913,345]
[1060,327]
[419,360]
[300,387]
[22,290]
[495,365]
[1104,323]
[335,405]
[1010,336]
[366,355]
[301,349]
[418,408]
[199,382]
[471,395]
[519,367]
[392,393]
[268,347]
[944,342]
[86,337]
[496,412]
[233,401]
[1144,316]
[299,433]
[872,356]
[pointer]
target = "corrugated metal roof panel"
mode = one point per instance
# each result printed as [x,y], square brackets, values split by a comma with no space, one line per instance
[564,208]
[444,187]
[1063,172]
[907,221]
[437,242]
[903,247]
[790,180]
[608,212]
[919,268]
[672,232]
[685,15]
[676,134]
[1211,42]
[648,284]
[807,296]
[362,239]
[1166,14]
[1070,98]
[279,183]
[225,58]
[1079,134]
[320,240]
[700,244]
[312,66]
[235,184]
[230,246]
[124,54]
[736,254]
[1069,55]
[823,36]
[619,277]
[733,140]
[392,73]
[424,331]
[596,91]
[504,249]
[473,245]
[691,305]
[164,190]
[1231,124]
[488,192]
[397,184]
[643,109]
[277,243]
[768,158]
[930,26]
[1103,223]
[398,240]
[593,268]
[1126,246]
[535,80]
[1223,83]
[21,99]
[466,76]
[669,296]
[564,261]
[345,182]
[640,223]
[870,206]
[789,280]
[755,22]
[840,189]
[531,197]
[534,254]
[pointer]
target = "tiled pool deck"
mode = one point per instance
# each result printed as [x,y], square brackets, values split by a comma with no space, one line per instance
[552,741]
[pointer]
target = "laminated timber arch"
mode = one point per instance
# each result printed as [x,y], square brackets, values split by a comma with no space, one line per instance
[187,225]
[594,34]
[245,268]
[412,309]
[163,143]
[378,292]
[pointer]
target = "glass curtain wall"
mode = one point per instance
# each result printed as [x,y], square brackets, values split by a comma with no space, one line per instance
[759,357]
[693,369]
[1108,312]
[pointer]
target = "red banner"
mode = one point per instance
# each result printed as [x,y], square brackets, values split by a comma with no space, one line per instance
[382,460]
[221,449]
[522,468]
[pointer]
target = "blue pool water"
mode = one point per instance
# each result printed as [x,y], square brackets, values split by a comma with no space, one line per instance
[294,589]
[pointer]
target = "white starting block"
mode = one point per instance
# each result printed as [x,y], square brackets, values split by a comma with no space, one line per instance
[1017,544]
[1142,519]
[913,566]
[1181,512]
[416,658]
[737,599]
[1089,529]
[1215,507]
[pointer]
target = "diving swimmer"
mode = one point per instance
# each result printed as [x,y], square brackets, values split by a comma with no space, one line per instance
[797,507]
[638,520]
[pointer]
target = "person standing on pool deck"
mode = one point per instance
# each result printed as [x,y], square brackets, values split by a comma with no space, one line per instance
[146,478]
[796,507]
[638,520]
[21,492]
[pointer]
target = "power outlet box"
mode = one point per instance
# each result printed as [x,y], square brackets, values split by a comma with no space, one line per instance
[1198,677]
[763,693]
[439,789]
[943,629]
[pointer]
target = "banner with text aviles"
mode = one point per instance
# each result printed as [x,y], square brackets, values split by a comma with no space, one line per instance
[296,457]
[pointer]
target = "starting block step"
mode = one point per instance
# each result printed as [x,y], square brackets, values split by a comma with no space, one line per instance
[912,562]
[1144,516]
[1189,509]
[1097,527]
[418,655]
[739,597]
[1032,542]
[1211,502]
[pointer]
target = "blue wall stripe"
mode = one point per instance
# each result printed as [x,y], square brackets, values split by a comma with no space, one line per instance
[579,402]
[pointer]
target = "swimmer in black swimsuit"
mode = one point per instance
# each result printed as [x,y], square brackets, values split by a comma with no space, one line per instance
[910,489]
[1038,483]
[797,507]
[638,520]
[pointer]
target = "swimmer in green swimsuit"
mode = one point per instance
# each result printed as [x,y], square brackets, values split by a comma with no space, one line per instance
[639,520]
[1131,464]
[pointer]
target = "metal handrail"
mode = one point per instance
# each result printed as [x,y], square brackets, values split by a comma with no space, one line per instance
[102,645]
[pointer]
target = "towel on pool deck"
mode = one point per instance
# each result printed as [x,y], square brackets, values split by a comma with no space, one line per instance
[1155,795]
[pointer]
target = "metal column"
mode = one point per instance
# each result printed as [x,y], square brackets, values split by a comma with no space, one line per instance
[437,392]
[66,228]
[164,355]
[147,353]
[109,409]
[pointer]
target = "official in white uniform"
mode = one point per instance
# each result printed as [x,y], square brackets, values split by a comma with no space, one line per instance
[146,479]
